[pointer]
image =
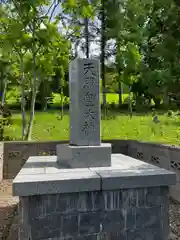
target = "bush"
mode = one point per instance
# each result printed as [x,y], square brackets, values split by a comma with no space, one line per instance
[5,111]
[57,106]
[5,120]
[170,113]
[13,95]
[15,106]
[112,105]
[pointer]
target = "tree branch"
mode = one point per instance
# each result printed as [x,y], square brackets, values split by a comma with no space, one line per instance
[55,6]
[50,8]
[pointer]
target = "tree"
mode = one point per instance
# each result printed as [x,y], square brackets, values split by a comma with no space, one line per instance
[25,35]
[34,46]
[103,45]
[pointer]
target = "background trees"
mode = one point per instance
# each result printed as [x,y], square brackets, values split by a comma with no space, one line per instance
[138,45]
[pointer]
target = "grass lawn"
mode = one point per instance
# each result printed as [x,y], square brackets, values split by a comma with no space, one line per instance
[110,97]
[118,126]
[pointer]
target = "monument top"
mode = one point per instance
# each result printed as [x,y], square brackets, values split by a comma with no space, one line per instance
[84,89]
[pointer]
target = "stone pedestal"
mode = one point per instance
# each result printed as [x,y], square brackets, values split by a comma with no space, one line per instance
[85,149]
[84,156]
[126,201]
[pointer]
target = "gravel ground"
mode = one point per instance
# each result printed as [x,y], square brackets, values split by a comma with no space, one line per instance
[8,206]
[174,217]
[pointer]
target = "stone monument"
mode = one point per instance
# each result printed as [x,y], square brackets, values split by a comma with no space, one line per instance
[85,149]
[85,192]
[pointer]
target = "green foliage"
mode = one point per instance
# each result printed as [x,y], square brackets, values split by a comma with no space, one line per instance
[170,113]
[35,52]
[147,45]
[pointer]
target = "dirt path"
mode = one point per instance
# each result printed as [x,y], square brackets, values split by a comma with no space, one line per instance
[8,206]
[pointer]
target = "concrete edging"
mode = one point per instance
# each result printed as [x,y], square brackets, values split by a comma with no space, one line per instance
[15,154]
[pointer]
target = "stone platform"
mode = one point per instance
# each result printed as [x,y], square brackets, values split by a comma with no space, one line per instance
[128,200]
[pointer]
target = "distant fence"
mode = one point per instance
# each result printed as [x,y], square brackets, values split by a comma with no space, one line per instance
[14,154]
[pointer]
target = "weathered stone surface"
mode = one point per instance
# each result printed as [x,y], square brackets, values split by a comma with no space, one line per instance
[24,149]
[84,88]
[17,153]
[119,178]
[68,180]
[114,236]
[126,214]
[70,203]
[145,234]
[89,223]
[156,196]
[43,175]
[113,221]
[13,164]
[84,156]
[149,217]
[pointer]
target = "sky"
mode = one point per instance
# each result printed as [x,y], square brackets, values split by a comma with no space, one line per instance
[94,45]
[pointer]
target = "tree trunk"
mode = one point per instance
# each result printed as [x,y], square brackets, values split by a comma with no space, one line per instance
[1,85]
[130,103]
[5,83]
[1,130]
[33,101]
[103,43]
[62,103]
[41,97]
[34,88]
[166,98]
[118,69]
[3,94]
[23,114]
[86,23]
[120,93]
[76,48]
[157,102]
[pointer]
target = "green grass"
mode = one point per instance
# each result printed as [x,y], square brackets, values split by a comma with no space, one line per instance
[110,97]
[14,93]
[118,126]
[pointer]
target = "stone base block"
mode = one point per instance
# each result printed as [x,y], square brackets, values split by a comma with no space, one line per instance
[84,156]
[136,213]
[128,200]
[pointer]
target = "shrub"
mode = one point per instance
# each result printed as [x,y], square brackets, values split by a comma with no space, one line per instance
[5,120]
[170,113]
[112,105]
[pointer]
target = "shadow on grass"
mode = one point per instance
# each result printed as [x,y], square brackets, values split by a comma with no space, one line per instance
[171,122]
